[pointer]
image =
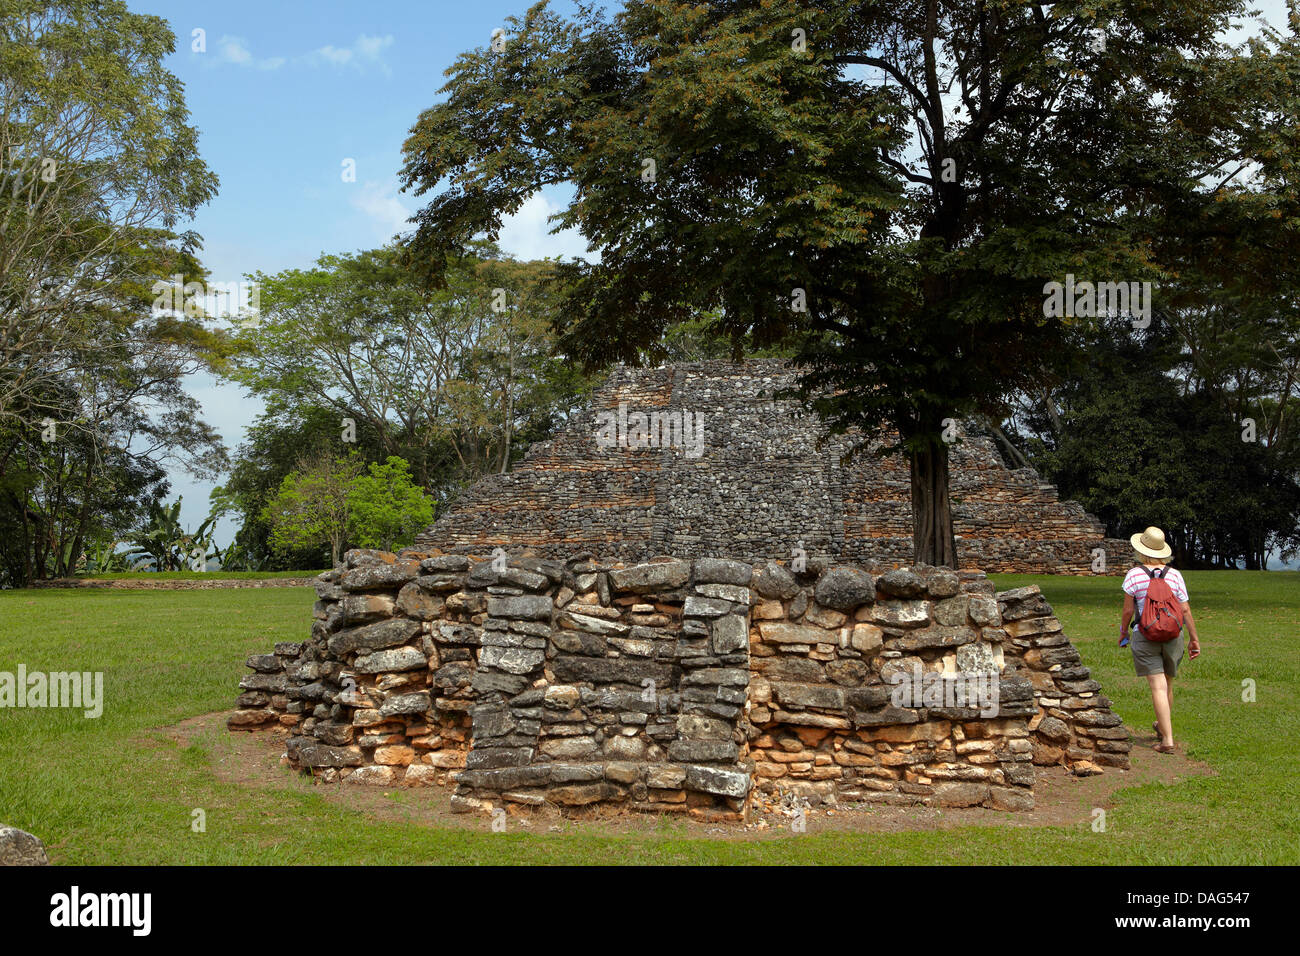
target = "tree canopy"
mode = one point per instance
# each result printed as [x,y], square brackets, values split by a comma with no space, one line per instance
[891,185]
[335,500]
[98,163]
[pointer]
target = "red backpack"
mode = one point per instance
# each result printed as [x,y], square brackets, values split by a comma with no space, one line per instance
[1162,614]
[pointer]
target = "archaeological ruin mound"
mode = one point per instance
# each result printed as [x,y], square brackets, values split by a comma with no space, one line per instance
[679,684]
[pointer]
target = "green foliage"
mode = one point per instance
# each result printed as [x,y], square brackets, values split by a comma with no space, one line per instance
[239,558]
[58,498]
[311,505]
[334,500]
[157,542]
[386,509]
[97,165]
[274,446]
[95,152]
[1127,438]
[439,377]
[165,545]
[104,556]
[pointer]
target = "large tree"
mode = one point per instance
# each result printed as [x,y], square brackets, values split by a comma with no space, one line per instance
[387,509]
[274,446]
[83,456]
[311,505]
[98,163]
[95,148]
[893,183]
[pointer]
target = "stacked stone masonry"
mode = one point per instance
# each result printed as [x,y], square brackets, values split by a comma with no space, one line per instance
[762,484]
[677,685]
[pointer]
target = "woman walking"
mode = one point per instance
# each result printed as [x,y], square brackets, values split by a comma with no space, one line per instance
[1156,660]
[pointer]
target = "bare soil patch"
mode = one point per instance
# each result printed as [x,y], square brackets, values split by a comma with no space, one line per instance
[252,760]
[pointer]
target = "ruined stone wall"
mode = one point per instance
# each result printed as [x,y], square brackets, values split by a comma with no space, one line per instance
[145,584]
[827,662]
[677,685]
[381,691]
[760,487]
[1073,724]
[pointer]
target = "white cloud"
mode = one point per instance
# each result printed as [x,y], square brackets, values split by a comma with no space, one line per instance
[335,56]
[234,50]
[365,51]
[379,203]
[526,234]
[372,47]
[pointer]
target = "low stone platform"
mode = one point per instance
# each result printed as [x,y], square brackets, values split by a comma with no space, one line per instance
[679,685]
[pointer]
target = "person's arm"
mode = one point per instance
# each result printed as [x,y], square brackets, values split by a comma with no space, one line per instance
[1194,646]
[1126,616]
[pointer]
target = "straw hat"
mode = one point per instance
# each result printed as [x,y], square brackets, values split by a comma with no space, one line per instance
[1151,543]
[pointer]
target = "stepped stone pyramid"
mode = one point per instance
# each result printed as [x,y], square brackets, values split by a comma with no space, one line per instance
[755,487]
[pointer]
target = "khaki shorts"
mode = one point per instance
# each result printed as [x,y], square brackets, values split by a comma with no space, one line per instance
[1155,657]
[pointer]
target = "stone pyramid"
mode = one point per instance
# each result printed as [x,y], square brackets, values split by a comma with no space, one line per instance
[756,486]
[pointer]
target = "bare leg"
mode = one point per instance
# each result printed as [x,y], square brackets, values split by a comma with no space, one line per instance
[1162,696]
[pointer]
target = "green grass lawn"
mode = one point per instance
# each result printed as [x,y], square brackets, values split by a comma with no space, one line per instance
[196,575]
[116,790]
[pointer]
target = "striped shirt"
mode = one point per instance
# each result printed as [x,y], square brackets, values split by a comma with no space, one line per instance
[1137,581]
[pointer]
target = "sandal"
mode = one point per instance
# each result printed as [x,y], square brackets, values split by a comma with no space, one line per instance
[1162,749]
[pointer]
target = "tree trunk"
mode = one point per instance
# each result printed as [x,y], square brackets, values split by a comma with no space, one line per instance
[932,538]
[510,409]
[505,451]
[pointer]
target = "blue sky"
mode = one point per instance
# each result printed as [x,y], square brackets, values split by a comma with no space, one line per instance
[283,94]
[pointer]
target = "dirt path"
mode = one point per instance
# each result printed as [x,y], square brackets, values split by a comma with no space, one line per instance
[253,760]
